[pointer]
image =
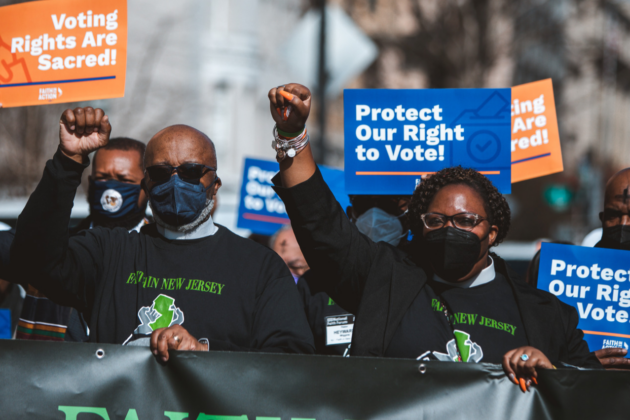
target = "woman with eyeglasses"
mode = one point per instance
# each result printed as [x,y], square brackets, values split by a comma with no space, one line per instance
[445,296]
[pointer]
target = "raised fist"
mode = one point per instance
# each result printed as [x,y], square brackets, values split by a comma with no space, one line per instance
[82,131]
[300,103]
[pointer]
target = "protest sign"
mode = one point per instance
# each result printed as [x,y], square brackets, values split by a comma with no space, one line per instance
[595,281]
[260,209]
[535,138]
[62,51]
[394,137]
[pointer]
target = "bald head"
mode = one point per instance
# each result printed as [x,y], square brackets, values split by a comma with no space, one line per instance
[617,200]
[180,144]
[618,187]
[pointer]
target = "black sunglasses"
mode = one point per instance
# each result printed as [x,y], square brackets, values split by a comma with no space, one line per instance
[189,172]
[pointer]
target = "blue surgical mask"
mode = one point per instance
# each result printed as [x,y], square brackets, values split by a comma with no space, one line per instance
[378,225]
[178,202]
[113,199]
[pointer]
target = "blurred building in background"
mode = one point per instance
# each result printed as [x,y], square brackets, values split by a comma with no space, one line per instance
[210,63]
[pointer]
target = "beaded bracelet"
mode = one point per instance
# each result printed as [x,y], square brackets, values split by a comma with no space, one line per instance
[288,147]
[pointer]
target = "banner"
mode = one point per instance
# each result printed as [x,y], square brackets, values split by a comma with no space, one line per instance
[79,381]
[595,281]
[535,138]
[394,137]
[260,209]
[62,51]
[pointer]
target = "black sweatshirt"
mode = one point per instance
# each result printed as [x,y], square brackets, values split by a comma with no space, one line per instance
[379,283]
[230,290]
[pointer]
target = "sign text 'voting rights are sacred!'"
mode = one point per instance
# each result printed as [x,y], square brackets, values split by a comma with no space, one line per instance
[62,51]
[395,137]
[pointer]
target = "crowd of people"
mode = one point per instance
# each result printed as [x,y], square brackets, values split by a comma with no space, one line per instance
[390,276]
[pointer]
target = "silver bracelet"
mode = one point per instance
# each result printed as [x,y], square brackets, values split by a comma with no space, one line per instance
[288,147]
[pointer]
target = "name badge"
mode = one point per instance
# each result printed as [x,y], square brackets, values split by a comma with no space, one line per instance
[339,329]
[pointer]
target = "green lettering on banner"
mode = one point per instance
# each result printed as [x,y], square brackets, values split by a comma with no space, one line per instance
[180,281]
[132,278]
[139,276]
[189,284]
[513,329]
[494,324]
[213,417]
[472,318]
[132,415]
[221,286]
[72,412]
[213,289]
[174,415]
[206,286]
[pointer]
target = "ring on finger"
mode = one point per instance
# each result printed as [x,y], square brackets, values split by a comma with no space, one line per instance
[524,357]
[176,338]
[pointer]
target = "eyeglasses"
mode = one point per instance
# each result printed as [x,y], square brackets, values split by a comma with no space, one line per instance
[463,221]
[189,172]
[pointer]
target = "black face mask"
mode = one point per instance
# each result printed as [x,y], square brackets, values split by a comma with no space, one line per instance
[453,252]
[616,237]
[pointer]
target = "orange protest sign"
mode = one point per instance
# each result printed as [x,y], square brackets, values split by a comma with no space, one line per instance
[62,51]
[535,138]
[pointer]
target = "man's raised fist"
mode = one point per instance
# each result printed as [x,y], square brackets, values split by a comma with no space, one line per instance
[82,131]
[294,95]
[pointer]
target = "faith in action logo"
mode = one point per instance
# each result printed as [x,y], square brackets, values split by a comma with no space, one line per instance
[161,314]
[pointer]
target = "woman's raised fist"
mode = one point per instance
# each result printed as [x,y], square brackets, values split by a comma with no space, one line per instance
[294,95]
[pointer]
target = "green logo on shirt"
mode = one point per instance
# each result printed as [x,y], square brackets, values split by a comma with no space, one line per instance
[161,314]
[469,351]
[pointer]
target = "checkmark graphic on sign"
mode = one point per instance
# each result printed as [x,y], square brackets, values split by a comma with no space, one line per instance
[484,147]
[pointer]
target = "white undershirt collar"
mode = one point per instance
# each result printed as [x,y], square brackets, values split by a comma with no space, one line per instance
[486,276]
[207,228]
[143,222]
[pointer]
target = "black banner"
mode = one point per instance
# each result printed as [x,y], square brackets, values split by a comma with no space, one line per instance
[91,382]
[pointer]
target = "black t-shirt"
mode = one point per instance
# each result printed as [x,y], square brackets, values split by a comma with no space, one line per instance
[486,324]
[332,326]
[232,291]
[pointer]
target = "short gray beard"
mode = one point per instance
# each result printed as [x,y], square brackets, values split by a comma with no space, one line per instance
[203,217]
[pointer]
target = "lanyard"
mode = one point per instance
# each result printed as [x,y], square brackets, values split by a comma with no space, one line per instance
[450,323]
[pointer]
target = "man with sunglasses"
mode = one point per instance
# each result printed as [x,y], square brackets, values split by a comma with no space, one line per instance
[182,283]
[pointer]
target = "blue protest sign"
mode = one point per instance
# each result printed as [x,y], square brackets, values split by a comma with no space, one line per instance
[260,209]
[5,323]
[596,282]
[394,137]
